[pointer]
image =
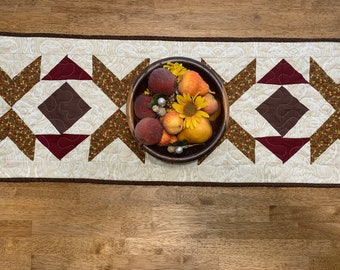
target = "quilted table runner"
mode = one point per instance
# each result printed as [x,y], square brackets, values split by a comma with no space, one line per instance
[63,110]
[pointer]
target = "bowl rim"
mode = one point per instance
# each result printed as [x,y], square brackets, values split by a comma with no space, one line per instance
[224,102]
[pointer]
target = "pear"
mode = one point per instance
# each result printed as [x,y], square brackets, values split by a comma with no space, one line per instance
[192,83]
[199,134]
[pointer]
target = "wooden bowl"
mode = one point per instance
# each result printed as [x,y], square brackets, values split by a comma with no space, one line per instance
[219,125]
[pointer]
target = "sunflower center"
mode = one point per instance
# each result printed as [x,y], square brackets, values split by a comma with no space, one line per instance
[189,109]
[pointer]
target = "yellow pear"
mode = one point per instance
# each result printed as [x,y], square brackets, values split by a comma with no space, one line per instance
[200,134]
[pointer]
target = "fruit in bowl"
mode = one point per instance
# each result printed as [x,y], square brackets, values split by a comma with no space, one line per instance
[177,109]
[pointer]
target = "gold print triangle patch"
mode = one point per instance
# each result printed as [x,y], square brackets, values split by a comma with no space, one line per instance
[12,90]
[116,126]
[329,132]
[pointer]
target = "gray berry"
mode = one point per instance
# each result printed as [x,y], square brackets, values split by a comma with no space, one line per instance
[179,150]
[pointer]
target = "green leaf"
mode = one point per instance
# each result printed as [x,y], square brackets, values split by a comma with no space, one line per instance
[155,98]
[180,143]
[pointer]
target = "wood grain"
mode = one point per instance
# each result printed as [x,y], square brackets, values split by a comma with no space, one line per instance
[256,18]
[87,226]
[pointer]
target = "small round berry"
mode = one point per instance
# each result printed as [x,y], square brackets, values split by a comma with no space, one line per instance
[179,150]
[161,102]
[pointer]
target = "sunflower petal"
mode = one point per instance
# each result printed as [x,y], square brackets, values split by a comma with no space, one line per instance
[180,99]
[178,107]
[194,122]
[187,97]
[200,102]
[202,114]
[188,122]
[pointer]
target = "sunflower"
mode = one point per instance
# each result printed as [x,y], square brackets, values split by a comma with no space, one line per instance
[189,108]
[176,68]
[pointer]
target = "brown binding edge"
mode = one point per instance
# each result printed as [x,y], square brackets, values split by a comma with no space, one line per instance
[171,183]
[169,38]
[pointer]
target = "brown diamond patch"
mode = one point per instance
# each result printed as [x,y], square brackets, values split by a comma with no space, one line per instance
[64,107]
[282,110]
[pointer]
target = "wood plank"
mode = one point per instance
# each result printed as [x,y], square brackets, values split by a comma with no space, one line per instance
[15,228]
[80,262]
[327,262]
[15,262]
[268,247]
[318,213]
[175,18]
[264,262]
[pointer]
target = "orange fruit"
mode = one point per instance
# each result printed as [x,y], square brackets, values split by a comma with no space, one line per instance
[172,122]
[192,83]
[167,139]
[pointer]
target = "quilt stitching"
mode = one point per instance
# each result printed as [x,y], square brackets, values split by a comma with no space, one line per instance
[98,142]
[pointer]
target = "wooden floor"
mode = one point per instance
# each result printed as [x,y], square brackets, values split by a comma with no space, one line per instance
[84,226]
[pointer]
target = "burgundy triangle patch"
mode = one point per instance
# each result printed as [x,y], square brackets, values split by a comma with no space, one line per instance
[283,148]
[61,145]
[66,69]
[283,73]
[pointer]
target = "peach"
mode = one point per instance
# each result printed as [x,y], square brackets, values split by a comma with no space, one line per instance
[212,104]
[148,131]
[172,122]
[141,106]
[162,81]
[213,116]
